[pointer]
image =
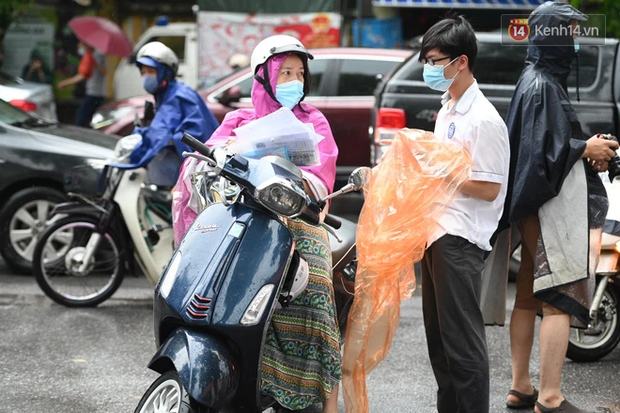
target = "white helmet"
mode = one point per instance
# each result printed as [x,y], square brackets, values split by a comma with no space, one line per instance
[156,52]
[274,45]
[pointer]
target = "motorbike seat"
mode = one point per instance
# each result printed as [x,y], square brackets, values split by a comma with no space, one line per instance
[339,249]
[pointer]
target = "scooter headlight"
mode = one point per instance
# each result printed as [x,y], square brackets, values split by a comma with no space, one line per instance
[257,307]
[125,146]
[282,197]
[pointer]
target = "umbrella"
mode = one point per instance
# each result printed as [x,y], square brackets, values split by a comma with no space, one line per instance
[102,34]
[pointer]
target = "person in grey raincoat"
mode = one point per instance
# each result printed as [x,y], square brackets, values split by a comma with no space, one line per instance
[554,198]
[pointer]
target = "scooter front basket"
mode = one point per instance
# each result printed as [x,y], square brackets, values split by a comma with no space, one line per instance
[82,179]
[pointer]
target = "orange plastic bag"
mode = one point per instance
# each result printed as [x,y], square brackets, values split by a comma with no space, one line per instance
[407,192]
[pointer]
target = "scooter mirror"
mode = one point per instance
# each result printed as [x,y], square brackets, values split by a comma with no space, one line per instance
[359,177]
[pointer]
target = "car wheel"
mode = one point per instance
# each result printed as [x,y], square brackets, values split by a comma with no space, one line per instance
[22,220]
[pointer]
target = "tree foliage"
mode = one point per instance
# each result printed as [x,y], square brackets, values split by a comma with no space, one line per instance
[610,8]
[9,9]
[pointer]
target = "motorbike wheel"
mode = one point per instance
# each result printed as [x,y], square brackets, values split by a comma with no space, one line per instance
[601,339]
[167,395]
[57,257]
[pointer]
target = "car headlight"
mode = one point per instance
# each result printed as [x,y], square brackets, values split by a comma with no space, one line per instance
[282,197]
[106,117]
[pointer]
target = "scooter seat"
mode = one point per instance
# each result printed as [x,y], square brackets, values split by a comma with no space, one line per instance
[341,249]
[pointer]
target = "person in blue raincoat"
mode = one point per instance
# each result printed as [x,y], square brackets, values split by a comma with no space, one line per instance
[179,109]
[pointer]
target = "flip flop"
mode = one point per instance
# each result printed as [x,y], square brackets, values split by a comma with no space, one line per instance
[527,401]
[564,407]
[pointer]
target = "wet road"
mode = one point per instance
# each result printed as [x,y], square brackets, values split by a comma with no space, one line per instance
[57,359]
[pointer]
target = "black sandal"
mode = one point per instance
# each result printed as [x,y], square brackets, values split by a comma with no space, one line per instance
[527,401]
[564,407]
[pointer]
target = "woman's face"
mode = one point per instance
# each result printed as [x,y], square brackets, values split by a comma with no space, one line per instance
[292,69]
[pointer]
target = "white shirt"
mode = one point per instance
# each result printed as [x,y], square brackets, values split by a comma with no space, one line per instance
[474,124]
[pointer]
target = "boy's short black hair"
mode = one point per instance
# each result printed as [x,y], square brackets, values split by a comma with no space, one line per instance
[454,37]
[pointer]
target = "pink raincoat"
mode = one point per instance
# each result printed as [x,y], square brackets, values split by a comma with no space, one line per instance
[183,216]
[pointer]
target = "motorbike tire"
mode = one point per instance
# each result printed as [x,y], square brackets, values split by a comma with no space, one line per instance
[29,202]
[610,337]
[59,281]
[167,394]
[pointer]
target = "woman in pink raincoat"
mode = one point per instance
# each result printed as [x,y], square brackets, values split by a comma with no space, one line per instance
[301,360]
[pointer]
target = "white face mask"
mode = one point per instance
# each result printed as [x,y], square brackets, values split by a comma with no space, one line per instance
[435,78]
[290,93]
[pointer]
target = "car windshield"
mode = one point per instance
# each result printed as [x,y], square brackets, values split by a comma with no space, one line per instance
[227,75]
[11,115]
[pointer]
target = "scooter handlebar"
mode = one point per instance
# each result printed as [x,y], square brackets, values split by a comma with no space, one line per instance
[332,221]
[196,145]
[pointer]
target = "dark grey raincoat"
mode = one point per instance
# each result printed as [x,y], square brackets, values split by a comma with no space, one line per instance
[547,175]
[546,139]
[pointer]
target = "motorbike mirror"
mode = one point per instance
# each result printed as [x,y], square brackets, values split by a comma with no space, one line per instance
[149,113]
[359,177]
[230,95]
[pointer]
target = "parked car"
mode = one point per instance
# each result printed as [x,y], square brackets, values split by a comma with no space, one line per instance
[404,100]
[32,97]
[34,154]
[343,82]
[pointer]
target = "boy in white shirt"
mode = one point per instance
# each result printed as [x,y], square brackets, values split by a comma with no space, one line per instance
[453,262]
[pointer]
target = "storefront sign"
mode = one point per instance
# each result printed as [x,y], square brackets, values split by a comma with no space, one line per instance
[223,34]
[19,42]
[462,4]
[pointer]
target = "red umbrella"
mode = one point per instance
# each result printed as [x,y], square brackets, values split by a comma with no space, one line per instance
[102,34]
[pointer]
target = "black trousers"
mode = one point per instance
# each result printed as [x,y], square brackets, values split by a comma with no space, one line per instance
[87,109]
[451,289]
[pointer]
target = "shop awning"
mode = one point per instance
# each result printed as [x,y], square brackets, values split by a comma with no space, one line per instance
[465,4]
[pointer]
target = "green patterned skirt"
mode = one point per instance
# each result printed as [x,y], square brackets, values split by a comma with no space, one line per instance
[301,359]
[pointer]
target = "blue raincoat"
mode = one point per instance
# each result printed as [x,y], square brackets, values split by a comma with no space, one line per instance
[179,109]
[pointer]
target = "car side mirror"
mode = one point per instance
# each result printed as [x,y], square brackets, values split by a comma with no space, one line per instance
[230,95]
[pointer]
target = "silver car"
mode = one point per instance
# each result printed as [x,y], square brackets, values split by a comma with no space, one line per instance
[30,97]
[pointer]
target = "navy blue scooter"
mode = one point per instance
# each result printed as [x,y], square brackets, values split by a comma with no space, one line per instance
[236,264]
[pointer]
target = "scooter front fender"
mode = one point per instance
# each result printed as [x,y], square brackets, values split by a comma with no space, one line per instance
[75,208]
[205,365]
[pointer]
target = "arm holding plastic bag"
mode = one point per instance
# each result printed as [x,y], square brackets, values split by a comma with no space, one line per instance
[408,192]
